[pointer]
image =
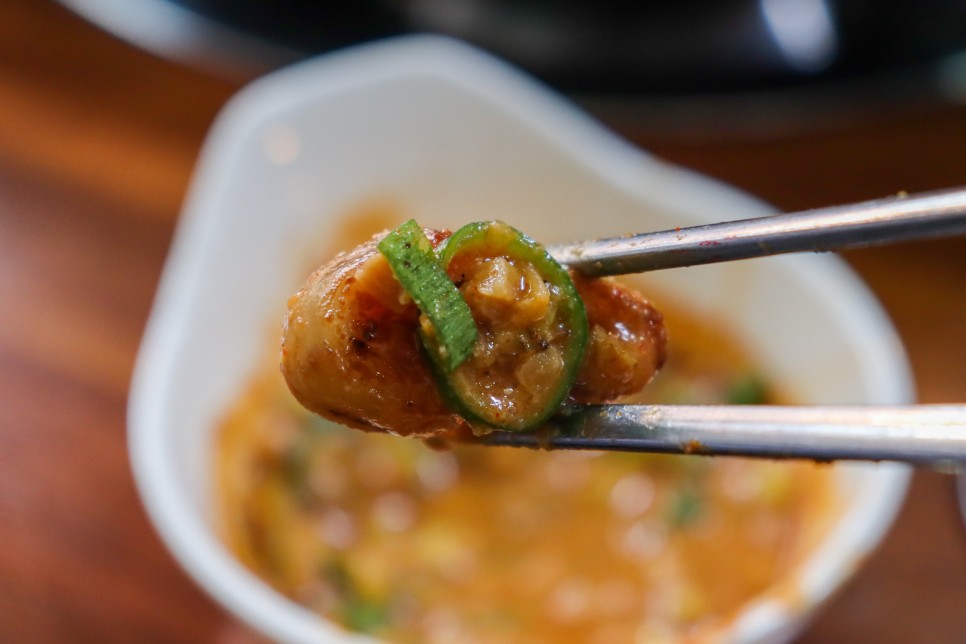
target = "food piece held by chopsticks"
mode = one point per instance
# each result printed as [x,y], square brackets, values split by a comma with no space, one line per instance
[417,332]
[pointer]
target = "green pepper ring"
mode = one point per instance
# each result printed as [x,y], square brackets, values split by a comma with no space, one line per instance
[571,307]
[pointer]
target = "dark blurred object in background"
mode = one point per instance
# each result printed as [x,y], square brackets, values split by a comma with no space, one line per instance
[684,70]
[600,47]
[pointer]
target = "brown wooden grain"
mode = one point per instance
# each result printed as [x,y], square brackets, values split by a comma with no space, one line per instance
[97,144]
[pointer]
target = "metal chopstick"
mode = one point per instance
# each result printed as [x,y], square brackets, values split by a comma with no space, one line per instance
[899,218]
[921,434]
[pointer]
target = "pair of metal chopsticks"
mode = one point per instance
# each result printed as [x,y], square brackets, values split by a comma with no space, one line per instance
[922,434]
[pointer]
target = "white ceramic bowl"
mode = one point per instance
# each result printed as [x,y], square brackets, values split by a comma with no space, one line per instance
[453,135]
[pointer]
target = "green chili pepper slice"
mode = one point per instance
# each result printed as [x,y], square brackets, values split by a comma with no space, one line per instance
[450,327]
[531,323]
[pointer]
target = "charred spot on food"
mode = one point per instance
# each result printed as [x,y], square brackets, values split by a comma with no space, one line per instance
[695,447]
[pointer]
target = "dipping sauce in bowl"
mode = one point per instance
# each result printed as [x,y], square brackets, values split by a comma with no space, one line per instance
[387,536]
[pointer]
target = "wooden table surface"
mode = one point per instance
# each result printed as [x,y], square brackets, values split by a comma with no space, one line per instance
[97,144]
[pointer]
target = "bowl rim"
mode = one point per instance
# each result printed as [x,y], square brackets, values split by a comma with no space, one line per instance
[614,160]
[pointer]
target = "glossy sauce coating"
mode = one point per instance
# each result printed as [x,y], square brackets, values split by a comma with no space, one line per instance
[627,343]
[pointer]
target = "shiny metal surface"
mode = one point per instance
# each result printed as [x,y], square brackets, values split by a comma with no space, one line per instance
[920,434]
[900,218]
